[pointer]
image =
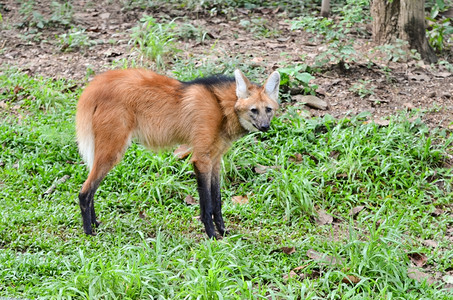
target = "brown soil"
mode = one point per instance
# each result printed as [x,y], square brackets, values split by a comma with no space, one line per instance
[410,85]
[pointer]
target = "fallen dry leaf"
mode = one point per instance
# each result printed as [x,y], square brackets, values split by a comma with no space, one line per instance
[257,61]
[299,268]
[296,272]
[314,255]
[189,200]
[430,243]
[355,211]
[351,279]
[408,106]
[319,257]
[334,154]
[437,212]
[323,218]
[382,123]
[418,259]
[291,274]
[141,215]
[260,169]
[17,89]
[448,279]
[312,101]
[288,250]
[240,199]
[419,275]
[296,158]
[182,151]
[341,176]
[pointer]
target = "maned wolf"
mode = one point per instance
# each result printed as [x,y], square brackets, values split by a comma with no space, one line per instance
[208,114]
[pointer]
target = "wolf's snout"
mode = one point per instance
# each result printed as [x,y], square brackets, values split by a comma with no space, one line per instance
[264,127]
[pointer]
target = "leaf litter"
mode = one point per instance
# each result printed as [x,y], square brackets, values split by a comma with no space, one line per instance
[240,199]
[323,218]
[418,259]
[260,169]
[356,210]
[190,200]
[323,260]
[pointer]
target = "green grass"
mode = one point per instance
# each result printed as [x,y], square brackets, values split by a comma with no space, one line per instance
[154,41]
[150,245]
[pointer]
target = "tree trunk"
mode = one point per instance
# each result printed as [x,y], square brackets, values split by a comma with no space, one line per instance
[412,23]
[385,20]
[402,19]
[325,8]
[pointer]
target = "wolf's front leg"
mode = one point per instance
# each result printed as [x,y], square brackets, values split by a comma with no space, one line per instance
[217,199]
[204,192]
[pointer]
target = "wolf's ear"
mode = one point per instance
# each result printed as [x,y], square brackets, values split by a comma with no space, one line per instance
[242,85]
[271,86]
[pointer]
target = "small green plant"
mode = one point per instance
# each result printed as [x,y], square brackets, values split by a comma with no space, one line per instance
[353,13]
[75,39]
[440,35]
[440,29]
[187,31]
[363,88]
[395,52]
[142,4]
[189,69]
[446,65]
[297,79]
[125,63]
[316,25]
[154,41]
[31,18]
[89,72]
[62,14]
[259,27]
[340,51]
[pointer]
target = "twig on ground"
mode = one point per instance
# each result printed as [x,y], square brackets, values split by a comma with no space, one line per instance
[54,185]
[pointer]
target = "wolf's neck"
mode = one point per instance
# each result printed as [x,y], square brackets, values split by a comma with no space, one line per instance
[227,99]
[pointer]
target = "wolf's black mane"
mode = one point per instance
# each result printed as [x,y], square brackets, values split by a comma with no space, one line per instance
[210,81]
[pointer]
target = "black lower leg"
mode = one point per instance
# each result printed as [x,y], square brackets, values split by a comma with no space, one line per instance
[86,203]
[217,204]
[94,220]
[204,192]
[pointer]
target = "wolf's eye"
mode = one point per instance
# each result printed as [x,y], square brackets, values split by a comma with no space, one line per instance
[268,109]
[254,110]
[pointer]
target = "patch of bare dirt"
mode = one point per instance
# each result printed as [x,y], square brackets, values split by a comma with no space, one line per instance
[405,86]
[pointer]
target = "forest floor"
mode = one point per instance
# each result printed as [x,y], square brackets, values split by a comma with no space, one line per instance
[260,38]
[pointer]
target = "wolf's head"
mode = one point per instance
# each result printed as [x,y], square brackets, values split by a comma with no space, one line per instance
[256,106]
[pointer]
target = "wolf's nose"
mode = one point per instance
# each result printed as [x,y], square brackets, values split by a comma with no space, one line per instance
[264,127]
